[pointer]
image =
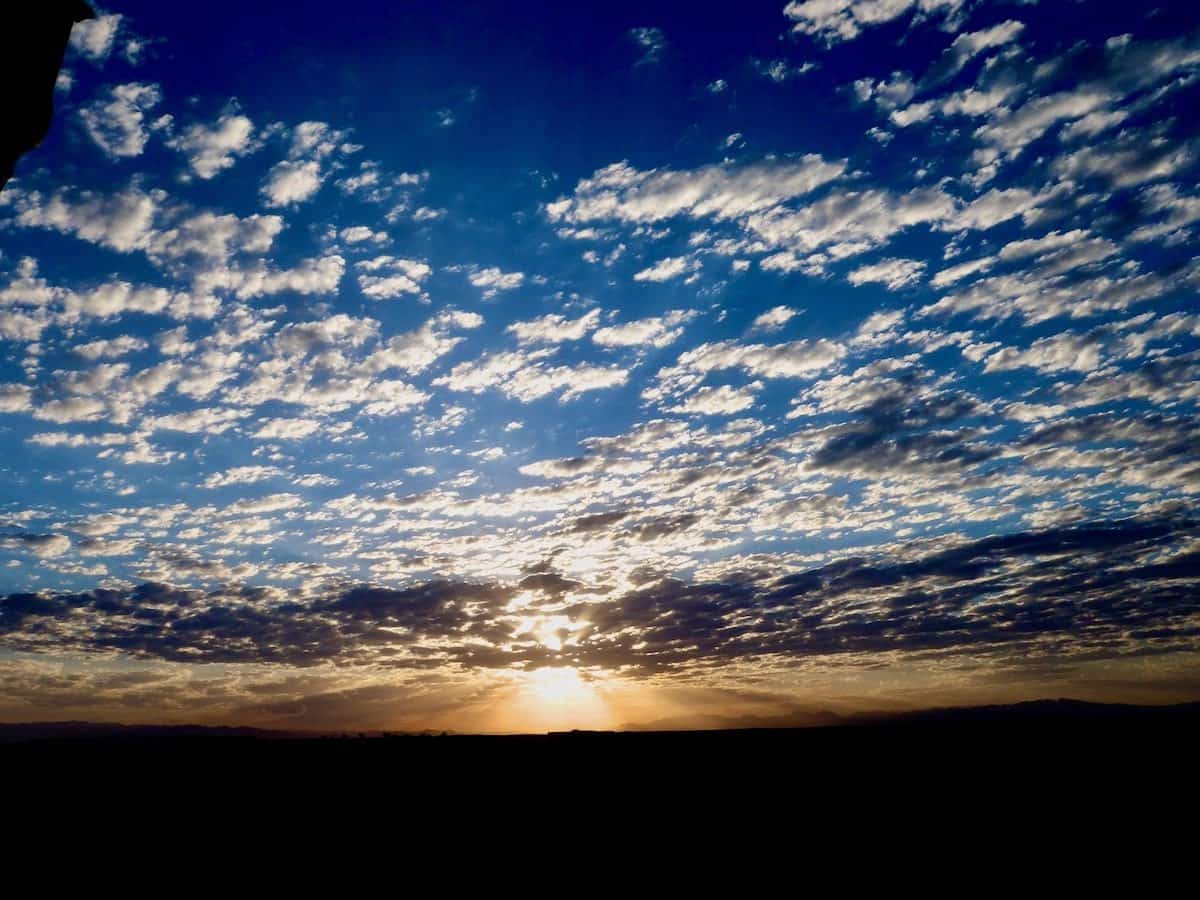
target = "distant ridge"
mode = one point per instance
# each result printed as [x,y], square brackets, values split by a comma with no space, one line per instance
[1040,712]
[40,731]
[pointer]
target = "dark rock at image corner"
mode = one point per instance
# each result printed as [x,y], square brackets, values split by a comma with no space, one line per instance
[34,40]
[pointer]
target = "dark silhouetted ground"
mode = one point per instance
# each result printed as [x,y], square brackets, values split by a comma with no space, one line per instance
[1029,784]
[33,40]
[1045,740]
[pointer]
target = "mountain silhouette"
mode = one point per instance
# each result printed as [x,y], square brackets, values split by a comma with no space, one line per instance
[35,39]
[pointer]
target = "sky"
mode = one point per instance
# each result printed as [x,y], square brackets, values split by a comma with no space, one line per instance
[520,367]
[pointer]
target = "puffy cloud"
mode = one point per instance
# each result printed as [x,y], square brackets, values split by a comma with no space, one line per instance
[779,70]
[1126,162]
[305,337]
[651,41]
[312,277]
[894,274]
[967,46]
[554,328]
[71,409]
[668,269]
[15,398]
[773,319]
[526,376]
[847,223]
[493,280]
[94,38]
[387,277]
[952,274]
[205,420]
[117,123]
[721,192]
[291,182]
[719,401]
[657,331]
[210,149]
[1109,588]
[296,179]
[242,475]
[287,429]
[118,297]
[137,220]
[359,234]
[390,398]
[1061,352]
[415,351]
[46,546]
[795,359]
[110,349]
[841,20]
[1011,132]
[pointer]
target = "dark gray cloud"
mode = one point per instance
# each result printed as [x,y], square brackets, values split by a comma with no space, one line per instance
[1093,590]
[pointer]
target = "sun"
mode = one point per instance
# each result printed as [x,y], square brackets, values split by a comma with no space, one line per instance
[560,699]
[560,686]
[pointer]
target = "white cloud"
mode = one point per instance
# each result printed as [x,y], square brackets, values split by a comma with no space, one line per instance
[1010,132]
[773,319]
[846,223]
[840,20]
[315,139]
[110,349]
[1061,352]
[651,41]
[722,192]
[211,149]
[892,273]
[134,219]
[1127,163]
[242,475]
[116,298]
[118,123]
[967,46]
[300,338]
[416,351]
[389,398]
[668,269]
[657,331]
[719,401]
[387,277]
[492,280]
[290,182]
[71,409]
[554,329]
[361,234]
[44,546]
[287,429]
[794,359]
[206,420]
[93,38]
[15,398]
[524,376]
[779,70]
[312,276]
[1054,240]
[298,178]
[950,275]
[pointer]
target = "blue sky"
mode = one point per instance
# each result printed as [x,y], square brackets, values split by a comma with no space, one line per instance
[602,365]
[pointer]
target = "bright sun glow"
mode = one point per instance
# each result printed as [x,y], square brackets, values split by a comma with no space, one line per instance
[560,686]
[558,699]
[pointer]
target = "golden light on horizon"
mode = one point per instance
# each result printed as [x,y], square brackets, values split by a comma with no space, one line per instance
[560,699]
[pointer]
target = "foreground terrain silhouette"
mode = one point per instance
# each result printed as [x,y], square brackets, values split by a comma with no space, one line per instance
[1061,741]
[35,40]
[1025,770]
